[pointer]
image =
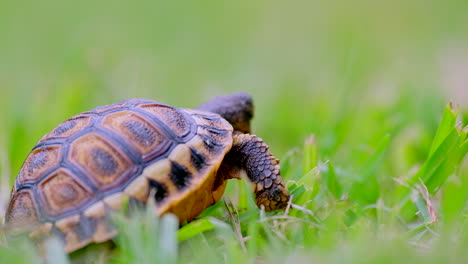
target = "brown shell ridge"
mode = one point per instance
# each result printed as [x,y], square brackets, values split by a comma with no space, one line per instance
[48,142]
[60,139]
[116,138]
[117,142]
[65,146]
[167,130]
[30,183]
[20,185]
[81,176]
[120,143]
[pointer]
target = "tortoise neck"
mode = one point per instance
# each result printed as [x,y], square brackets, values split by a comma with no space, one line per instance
[236,108]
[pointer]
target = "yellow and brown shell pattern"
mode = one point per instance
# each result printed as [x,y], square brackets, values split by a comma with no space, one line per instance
[99,160]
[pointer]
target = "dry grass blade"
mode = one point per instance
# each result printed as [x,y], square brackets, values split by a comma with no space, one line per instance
[425,194]
[233,215]
[290,219]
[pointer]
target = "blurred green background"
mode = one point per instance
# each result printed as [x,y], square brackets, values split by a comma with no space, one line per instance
[312,66]
[350,72]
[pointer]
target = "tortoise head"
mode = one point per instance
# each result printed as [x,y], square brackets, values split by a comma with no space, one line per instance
[236,108]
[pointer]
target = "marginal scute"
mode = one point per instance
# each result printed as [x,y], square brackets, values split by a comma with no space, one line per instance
[179,175]
[60,193]
[96,210]
[106,165]
[211,144]
[197,159]
[180,153]
[147,139]
[65,223]
[217,134]
[116,201]
[160,190]
[196,143]
[173,118]
[192,160]
[69,127]
[158,170]
[199,144]
[78,231]
[21,210]
[98,217]
[104,230]
[210,120]
[41,231]
[39,162]
[138,189]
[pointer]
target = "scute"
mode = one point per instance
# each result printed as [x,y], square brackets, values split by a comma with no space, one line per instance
[160,190]
[39,162]
[22,210]
[148,140]
[69,127]
[197,159]
[103,163]
[174,119]
[61,193]
[179,175]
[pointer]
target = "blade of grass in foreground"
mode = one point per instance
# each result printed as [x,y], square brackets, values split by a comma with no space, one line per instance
[310,160]
[366,189]
[145,238]
[447,151]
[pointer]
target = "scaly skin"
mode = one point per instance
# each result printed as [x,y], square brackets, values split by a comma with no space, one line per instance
[249,152]
[262,168]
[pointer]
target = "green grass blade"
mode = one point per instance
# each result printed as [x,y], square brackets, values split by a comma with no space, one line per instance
[169,225]
[445,127]
[194,228]
[310,160]
[331,180]
[365,189]
[445,156]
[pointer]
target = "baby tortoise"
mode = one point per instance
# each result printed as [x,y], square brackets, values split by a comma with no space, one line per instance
[135,150]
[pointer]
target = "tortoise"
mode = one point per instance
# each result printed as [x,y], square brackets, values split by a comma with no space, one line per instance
[135,150]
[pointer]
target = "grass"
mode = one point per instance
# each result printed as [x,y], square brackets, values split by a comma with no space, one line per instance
[353,97]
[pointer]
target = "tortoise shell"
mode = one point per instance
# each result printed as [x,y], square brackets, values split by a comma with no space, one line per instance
[94,163]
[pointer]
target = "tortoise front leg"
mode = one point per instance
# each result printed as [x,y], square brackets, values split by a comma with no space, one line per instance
[251,154]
